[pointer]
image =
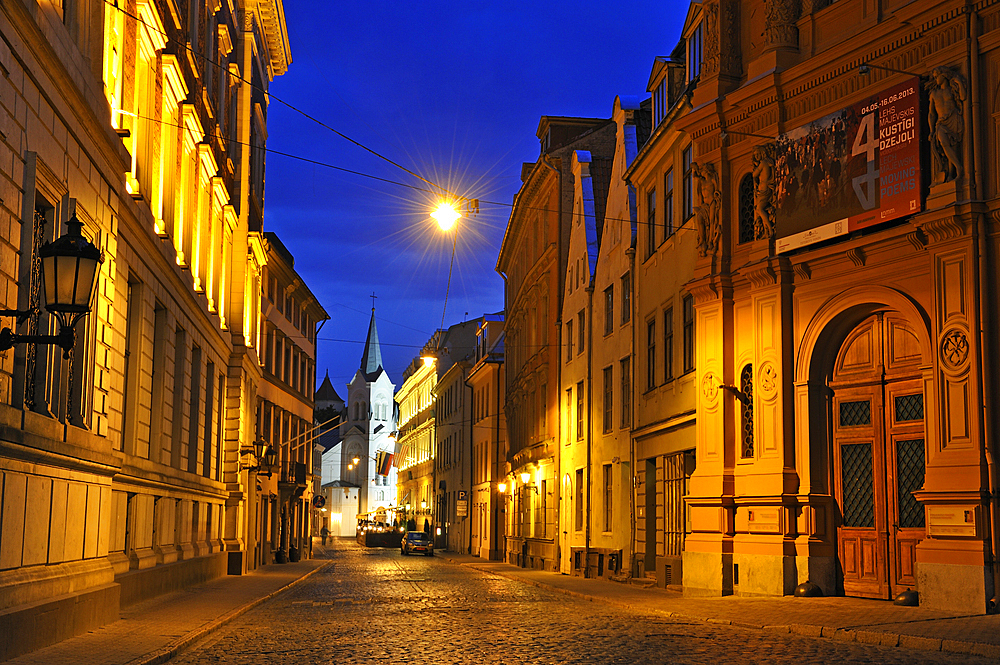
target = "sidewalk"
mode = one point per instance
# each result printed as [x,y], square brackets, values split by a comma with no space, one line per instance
[157,629]
[839,618]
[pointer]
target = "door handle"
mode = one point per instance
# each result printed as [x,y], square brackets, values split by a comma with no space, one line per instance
[896,527]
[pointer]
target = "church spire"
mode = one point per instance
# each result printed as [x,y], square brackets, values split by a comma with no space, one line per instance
[371,361]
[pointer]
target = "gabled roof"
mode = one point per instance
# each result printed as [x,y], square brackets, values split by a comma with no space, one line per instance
[371,360]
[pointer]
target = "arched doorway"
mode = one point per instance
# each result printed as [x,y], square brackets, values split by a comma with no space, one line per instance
[877,427]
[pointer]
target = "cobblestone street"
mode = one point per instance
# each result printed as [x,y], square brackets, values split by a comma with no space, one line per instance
[374,605]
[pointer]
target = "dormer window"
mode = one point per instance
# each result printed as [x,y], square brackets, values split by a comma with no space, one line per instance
[660,102]
[694,53]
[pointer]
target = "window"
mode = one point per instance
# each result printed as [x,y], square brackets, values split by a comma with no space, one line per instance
[579,500]
[609,309]
[650,355]
[569,341]
[581,318]
[694,54]
[609,389]
[746,412]
[541,407]
[688,186]
[668,344]
[660,102]
[579,411]
[668,204]
[688,333]
[569,413]
[608,496]
[626,298]
[626,415]
[650,223]
[746,209]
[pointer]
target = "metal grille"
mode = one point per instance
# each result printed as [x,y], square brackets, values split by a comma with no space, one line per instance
[746,411]
[856,480]
[854,414]
[909,478]
[34,296]
[909,407]
[673,504]
[746,209]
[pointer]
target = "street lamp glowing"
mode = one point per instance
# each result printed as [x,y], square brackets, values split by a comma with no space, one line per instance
[502,488]
[446,215]
[356,460]
[525,477]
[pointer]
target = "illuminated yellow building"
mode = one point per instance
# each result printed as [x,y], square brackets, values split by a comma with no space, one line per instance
[123,467]
[420,492]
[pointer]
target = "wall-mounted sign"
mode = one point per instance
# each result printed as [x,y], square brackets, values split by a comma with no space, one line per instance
[849,170]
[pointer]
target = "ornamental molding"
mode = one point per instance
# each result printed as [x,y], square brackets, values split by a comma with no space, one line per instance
[767,380]
[954,350]
[946,228]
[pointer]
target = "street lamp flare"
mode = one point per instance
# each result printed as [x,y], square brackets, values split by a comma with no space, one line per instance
[446,215]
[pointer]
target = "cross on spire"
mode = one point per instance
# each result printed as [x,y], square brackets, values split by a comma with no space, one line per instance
[373,297]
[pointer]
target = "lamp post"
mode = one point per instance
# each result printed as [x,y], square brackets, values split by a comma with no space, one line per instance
[69,271]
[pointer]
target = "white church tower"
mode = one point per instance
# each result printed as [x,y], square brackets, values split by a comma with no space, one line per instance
[365,431]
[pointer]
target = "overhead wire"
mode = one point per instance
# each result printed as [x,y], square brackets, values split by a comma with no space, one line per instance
[168,38]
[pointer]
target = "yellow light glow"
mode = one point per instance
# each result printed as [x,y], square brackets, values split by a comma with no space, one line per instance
[525,477]
[428,360]
[502,488]
[446,215]
[356,460]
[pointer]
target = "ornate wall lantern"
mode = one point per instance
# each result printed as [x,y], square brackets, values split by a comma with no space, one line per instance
[69,274]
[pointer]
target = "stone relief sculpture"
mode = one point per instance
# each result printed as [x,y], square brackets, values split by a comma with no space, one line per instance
[763,191]
[780,18]
[711,32]
[946,94]
[708,209]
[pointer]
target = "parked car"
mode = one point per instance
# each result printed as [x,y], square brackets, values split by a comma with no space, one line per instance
[416,541]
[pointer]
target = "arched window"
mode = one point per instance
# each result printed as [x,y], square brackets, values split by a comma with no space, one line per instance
[357,411]
[746,412]
[746,209]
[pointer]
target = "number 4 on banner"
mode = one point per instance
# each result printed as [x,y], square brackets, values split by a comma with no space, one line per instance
[867,146]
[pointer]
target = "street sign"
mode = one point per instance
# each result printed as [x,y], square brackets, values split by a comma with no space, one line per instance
[463,495]
[319,501]
[461,508]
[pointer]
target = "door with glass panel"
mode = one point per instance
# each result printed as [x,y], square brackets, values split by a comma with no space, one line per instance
[879,456]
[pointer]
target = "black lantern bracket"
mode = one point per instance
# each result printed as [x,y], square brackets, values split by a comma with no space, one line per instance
[69,267]
[264,456]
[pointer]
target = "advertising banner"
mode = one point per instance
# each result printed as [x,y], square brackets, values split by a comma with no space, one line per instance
[849,170]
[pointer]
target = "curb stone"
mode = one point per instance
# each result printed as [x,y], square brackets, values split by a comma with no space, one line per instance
[163,654]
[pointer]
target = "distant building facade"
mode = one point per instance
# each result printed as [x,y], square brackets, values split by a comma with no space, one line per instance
[291,318]
[489,441]
[423,478]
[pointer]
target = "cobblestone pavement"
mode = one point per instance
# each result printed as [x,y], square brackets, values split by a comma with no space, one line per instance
[373,606]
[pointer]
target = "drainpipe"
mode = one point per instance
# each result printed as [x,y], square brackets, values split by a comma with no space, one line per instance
[630,252]
[590,420]
[984,385]
[467,408]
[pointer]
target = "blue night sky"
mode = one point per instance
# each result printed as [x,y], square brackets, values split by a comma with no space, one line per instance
[452,91]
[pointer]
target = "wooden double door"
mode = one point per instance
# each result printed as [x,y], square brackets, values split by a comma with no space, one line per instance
[879,456]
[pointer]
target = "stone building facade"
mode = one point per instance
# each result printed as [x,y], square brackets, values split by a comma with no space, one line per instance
[533,262]
[121,467]
[846,243]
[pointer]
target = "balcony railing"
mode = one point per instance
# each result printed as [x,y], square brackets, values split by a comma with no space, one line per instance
[293,472]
